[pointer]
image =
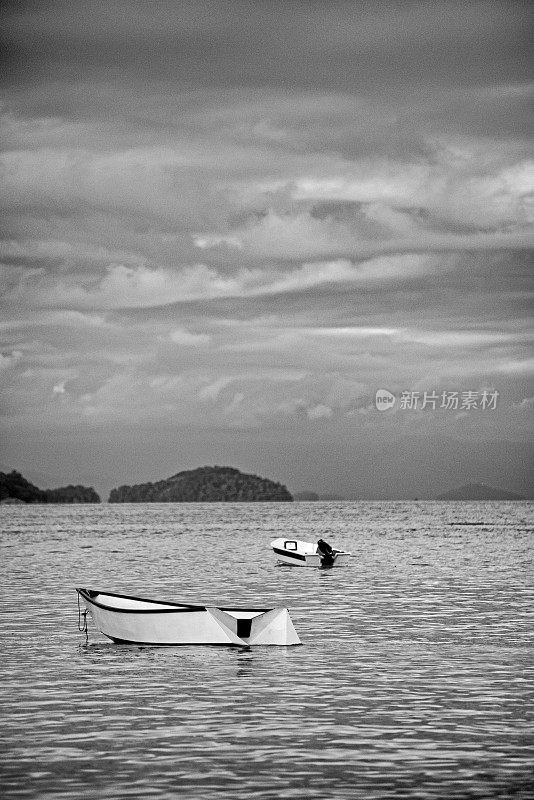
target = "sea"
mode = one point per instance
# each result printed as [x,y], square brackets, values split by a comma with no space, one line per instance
[415,677]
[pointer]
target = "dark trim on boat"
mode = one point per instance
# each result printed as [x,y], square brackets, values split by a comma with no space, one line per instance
[90,595]
[179,644]
[291,554]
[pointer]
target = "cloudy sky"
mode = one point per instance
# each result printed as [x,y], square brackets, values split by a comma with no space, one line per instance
[225,225]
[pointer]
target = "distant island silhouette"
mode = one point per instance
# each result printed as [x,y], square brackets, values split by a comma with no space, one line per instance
[305,497]
[479,491]
[14,488]
[202,485]
[308,496]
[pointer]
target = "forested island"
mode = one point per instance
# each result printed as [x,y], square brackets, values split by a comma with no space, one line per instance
[204,485]
[14,488]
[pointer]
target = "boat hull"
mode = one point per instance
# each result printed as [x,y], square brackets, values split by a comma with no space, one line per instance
[312,560]
[304,554]
[134,621]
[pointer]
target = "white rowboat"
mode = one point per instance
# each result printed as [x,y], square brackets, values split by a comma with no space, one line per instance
[307,554]
[134,620]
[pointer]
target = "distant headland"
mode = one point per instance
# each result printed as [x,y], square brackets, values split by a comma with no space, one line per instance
[14,488]
[479,491]
[204,485]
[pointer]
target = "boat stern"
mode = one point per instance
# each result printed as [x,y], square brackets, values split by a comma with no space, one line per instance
[273,627]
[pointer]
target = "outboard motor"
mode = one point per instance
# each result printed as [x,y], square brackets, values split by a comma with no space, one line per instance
[325,552]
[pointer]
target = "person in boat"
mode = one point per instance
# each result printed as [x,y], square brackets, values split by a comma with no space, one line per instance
[325,551]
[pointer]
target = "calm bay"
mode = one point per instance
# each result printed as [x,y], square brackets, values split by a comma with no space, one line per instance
[415,678]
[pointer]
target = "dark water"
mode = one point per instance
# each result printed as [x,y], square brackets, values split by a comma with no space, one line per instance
[415,678]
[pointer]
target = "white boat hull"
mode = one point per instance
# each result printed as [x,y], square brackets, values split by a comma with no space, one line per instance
[131,620]
[304,554]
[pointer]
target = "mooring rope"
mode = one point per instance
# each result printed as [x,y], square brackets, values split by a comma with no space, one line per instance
[82,626]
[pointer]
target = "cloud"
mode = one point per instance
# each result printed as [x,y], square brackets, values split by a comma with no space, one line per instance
[464,185]
[234,406]
[367,183]
[63,318]
[66,253]
[517,366]
[138,180]
[185,338]
[353,332]
[526,404]
[213,390]
[143,287]
[262,216]
[457,340]
[319,412]
[303,237]
[388,44]
[211,240]
[8,360]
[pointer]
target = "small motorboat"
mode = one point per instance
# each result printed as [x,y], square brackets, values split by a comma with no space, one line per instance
[134,620]
[307,554]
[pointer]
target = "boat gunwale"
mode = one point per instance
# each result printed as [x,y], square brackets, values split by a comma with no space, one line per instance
[179,607]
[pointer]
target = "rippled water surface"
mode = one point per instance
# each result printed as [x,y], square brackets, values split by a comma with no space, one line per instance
[415,678]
